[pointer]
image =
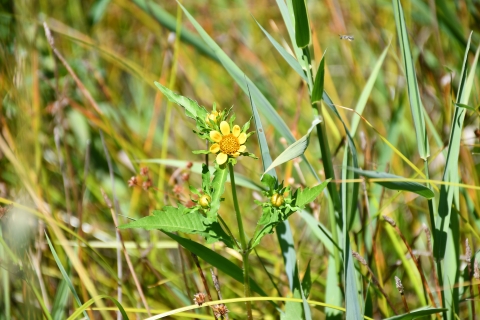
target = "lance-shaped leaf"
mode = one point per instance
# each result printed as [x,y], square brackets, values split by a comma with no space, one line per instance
[317,92]
[394,182]
[302,25]
[413,93]
[417,314]
[307,195]
[295,150]
[218,185]
[192,108]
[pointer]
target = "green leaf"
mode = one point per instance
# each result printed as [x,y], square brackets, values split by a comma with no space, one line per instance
[302,25]
[170,219]
[287,56]
[320,231]
[64,274]
[192,108]
[417,314]
[60,301]
[307,281]
[216,260]
[294,150]
[465,106]
[218,185]
[397,182]
[317,92]
[413,93]
[307,195]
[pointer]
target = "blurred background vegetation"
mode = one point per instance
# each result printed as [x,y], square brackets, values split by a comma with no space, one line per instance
[71,128]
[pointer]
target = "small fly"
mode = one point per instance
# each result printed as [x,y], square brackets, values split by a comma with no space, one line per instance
[346,37]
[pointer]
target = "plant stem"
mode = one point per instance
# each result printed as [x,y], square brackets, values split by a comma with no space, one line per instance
[244,249]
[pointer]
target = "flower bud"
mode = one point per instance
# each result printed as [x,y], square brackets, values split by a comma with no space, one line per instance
[204,201]
[277,200]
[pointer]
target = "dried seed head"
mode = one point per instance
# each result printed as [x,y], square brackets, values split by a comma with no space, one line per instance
[189,165]
[199,298]
[468,252]
[219,310]
[476,270]
[132,182]
[277,200]
[357,256]
[147,184]
[428,234]
[399,285]
[144,171]
[390,221]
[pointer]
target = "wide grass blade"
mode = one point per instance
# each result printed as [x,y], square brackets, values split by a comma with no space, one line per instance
[394,182]
[302,25]
[170,22]
[64,274]
[282,230]
[413,92]
[417,314]
[216,260]
[294,150]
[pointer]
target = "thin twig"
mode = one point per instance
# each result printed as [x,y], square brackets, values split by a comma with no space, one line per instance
[414,258]
[216,284]
[127,257]
[357,256]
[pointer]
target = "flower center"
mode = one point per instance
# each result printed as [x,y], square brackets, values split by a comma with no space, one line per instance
[229,144]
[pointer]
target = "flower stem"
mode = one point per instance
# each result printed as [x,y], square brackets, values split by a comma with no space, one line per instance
[244,249]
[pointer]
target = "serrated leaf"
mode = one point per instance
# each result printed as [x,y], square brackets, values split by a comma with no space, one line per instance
[218,185]
[307,195]
[397,182]
[170,219]
[295,150]
[416,314]
[317,92]
[302,25]
[192,108]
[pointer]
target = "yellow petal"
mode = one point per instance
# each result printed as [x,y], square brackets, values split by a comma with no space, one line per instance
[242,138]
[225,128]
[214,148]
[221,158]
[216,136]
[242,148]
[236,154]
[236,130]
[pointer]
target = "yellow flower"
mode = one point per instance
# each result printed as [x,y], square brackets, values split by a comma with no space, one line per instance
[227,143]
[212,116]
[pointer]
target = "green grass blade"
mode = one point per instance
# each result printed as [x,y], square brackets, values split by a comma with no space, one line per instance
[60,301]
[394,182]
[450,173]
[216,260]
[87,304]
[294,150]
[413,92]
[317,92]
[302,25]
[64,274]
[319,231]
[417,314]
[287,56]
[282,230]
[170,22]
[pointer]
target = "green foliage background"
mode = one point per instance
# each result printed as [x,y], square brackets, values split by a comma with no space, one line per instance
[56,145]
